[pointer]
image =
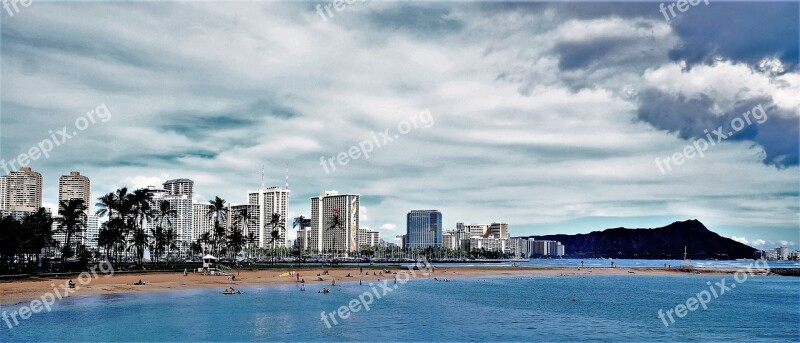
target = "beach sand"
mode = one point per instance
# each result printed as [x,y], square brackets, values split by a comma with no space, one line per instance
[15,292]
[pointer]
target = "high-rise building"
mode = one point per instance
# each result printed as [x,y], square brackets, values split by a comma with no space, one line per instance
[367,237]
[449,240]
[781,253]
[266,202]
[180,187]
[243,217]
[499,230]
[473,230]
[399,240]
[328,236]
[92,231]
[182,222]
[74,186]
[3,193]
[547,248]
[24,190]
[424,229]
[201,222]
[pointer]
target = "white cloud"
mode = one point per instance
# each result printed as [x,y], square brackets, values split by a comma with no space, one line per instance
[740,239]
[389,227]
[513,139]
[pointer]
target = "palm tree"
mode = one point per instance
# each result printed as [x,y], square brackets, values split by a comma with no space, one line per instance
[171,242]
[218,211]
[163,218]
[196,247]
[205,238]
[118,205]
[39,226]
[277,225]
[140,202]
[252,239]
[235,242]
[72,222]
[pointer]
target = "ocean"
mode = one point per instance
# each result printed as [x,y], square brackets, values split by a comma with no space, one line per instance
[539,308]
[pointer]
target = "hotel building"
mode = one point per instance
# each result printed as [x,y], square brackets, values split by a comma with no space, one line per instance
[178,193]
[201,223]
[343,238]
[75,186]
[24,190]
[266,202]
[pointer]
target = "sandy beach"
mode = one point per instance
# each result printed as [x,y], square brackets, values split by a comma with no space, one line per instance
[15,292]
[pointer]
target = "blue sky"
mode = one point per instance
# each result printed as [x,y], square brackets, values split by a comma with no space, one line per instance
[548,116]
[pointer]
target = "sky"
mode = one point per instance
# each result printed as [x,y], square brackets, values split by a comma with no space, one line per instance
[552,117]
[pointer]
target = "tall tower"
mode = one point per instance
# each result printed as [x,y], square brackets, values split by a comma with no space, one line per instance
[424,229]
[3,192]
[266,202]
[179,193]
[324,208]
[74,186]
[24,190]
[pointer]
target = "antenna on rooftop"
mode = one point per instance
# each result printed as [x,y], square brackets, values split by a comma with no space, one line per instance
[262,176]
[287,176]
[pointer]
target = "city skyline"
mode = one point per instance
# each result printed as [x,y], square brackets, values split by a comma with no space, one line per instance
[549,131]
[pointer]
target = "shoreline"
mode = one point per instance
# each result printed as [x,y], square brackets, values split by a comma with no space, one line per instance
[16,292]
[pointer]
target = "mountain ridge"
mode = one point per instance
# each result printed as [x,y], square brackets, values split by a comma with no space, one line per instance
[666,242]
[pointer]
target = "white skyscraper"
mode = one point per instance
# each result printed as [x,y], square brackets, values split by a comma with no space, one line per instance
[201,223]
[269,201]
[344,237]
[92,230]
[3,193]
[179,200]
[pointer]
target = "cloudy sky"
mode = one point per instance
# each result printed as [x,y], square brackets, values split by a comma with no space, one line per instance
[547,116]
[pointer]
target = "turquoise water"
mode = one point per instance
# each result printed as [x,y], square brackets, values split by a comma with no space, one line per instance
[605,308]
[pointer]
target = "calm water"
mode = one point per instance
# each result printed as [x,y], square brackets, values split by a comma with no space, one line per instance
[622,263]
[606,308]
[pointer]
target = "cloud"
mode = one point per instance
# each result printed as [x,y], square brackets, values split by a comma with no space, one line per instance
[695,102]
[389,227]
[762,31]
[548,115]
[740,239]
